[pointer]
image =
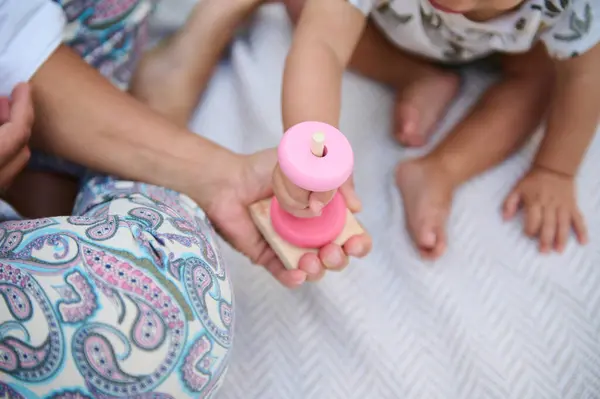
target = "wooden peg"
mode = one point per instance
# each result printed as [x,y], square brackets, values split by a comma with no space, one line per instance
[317,144]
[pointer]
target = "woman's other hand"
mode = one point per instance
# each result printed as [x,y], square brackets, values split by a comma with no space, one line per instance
[16,119]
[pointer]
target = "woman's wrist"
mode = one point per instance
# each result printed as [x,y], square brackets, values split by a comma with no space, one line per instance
[199,168]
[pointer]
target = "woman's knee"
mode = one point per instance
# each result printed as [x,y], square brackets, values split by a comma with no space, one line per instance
[179,289]
[143,304]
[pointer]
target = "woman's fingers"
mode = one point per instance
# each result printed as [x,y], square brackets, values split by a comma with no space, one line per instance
[4,110]
[14,166]
[21,107]
[15,132]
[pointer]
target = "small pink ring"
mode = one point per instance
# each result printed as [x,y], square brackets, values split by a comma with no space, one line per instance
[309,171]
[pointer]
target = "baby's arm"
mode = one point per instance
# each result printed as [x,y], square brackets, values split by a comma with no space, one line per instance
[547,192]
[574,114]
[325,38]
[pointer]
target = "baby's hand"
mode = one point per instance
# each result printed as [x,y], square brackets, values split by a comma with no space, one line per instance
[550,207]
[304,203]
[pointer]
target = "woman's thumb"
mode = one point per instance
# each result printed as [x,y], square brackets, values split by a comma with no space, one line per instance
[352,201]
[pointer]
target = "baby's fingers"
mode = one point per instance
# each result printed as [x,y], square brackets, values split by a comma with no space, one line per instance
[563,228]
[548,229]
[533,220]
[317,201]
[580,228]
[511,205]
[291,202]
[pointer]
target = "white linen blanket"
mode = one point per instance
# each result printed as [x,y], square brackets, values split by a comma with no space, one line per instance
[491,319]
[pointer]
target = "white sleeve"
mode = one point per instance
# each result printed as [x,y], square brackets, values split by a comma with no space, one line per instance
[365,6]
[30,30]
[576,31]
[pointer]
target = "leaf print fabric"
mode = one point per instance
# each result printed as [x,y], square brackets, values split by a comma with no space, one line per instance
[577,29]
[566,27]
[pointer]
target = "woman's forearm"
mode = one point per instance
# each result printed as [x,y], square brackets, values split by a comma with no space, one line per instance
[83,118]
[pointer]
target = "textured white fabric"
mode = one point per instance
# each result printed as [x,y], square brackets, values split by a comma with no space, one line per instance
[491,319]
[30,30]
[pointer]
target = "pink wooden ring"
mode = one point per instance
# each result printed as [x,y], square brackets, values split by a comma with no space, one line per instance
[310,232]
[309,171]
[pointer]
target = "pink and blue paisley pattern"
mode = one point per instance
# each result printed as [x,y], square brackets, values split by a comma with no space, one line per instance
[129,298]
[109,34]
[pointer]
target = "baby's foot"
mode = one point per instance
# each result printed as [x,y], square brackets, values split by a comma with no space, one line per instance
[427,196]
[420,105]
[167,76]
[160,81]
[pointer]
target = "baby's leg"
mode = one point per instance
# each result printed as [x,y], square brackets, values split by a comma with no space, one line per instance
[506,115]
[171,77]
[423,90]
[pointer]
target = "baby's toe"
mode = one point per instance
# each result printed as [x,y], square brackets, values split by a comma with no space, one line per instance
[427,238]
[431,240]
[407,126]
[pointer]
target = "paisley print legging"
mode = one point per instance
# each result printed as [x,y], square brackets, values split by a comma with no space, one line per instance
[128,298]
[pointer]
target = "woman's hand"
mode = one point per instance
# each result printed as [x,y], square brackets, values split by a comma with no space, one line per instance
[227,207]
[16,119]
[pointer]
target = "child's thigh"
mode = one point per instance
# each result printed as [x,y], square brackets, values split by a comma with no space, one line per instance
[534,64]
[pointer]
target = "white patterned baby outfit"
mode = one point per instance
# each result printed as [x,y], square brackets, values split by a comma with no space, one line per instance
[566,27]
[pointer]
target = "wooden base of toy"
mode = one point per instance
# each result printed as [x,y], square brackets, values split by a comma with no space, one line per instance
[289,254]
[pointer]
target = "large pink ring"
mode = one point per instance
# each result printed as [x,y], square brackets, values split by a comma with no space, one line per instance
[310,232]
